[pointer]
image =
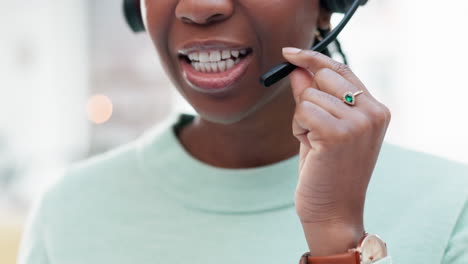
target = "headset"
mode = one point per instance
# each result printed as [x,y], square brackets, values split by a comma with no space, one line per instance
[134,18]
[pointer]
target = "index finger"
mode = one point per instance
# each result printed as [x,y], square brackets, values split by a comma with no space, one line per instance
[314,61]
[301,79]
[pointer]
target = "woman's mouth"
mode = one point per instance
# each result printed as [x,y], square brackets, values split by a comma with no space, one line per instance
[214,70]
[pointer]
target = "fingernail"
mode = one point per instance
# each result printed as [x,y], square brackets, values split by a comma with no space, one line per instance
[290,50]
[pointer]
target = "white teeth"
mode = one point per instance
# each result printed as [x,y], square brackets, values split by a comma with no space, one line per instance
[229,64]
[226,54]
[215,56]
[222,66]
[219,66]
[207,67]
[214,66]
[235,53]
[194,56]
[215,60]
[204,57]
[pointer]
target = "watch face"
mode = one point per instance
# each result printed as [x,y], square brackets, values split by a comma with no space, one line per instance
[372,249]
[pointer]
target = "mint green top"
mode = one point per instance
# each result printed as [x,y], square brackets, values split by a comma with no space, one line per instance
[150,201]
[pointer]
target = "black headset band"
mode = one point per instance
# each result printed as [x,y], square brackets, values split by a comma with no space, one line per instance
[132,12]
[339,6]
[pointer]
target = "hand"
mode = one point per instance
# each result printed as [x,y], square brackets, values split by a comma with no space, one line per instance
[339,143]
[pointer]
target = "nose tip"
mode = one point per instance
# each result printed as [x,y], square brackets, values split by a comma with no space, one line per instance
[202,20]
[204,11]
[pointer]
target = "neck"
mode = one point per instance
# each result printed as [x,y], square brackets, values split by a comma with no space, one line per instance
[263,138]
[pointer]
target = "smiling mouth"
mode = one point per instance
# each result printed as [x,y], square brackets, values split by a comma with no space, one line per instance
[214,69]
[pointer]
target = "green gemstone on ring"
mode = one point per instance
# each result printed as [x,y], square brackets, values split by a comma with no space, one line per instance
[349,98]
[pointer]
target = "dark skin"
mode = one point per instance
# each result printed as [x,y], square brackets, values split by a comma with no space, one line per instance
[227,146]
[240,119]
[303,114]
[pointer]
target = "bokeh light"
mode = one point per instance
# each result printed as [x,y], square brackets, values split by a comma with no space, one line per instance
[99,109]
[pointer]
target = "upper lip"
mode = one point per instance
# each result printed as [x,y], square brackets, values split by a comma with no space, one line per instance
[197,45]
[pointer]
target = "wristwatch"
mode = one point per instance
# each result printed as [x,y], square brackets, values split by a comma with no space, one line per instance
[370,249]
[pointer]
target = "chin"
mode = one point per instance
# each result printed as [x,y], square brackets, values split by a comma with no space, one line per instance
[232,117]
[222,118]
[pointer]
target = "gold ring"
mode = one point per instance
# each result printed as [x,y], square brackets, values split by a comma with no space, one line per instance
[350,97]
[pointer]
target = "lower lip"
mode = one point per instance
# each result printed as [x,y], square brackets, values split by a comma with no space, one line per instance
[215,82]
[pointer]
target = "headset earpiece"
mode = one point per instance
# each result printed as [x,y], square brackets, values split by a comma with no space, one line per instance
[339,6]
[132,12]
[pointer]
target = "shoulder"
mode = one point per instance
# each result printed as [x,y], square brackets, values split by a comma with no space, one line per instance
[90,184]
[419,185]
[111,173]
[420,174]
[117,171]
[424,168]
[103,168]
[117,166]
[416,195]
[81,189]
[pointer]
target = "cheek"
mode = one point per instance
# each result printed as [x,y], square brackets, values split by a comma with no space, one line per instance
[284,22]
[159,18]
[157,15]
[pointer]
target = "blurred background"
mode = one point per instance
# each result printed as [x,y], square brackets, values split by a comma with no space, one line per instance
[75,82]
